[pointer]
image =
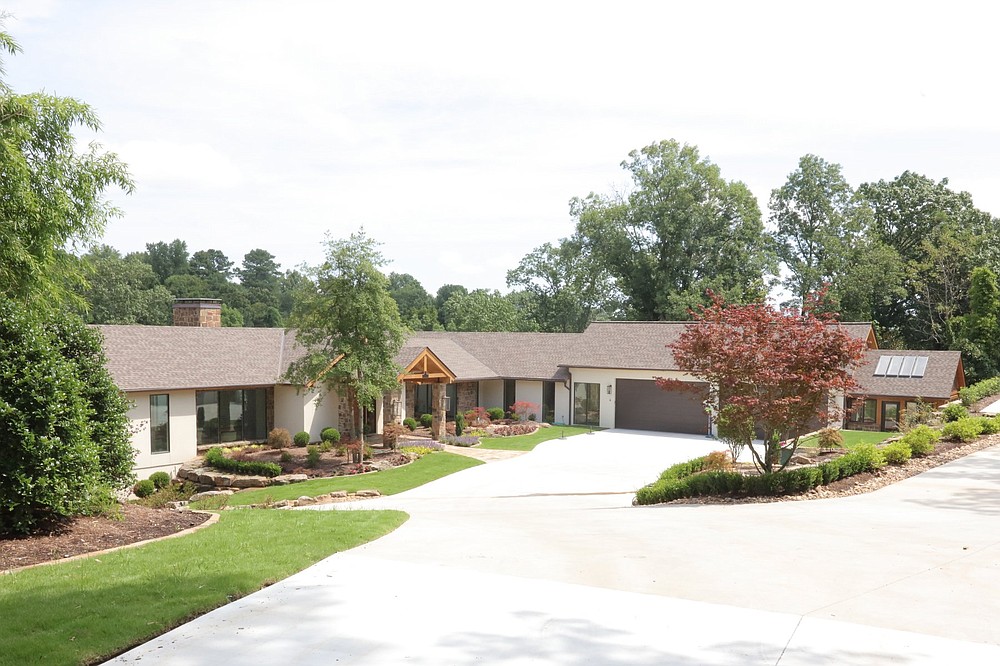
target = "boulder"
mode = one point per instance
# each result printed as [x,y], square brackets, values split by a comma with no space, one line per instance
[368,493]
[210,493]
[249,482]
[281,504]
[338,494]
[305,499]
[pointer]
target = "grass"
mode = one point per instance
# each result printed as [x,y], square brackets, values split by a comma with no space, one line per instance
[388,482]
[88,610]
[528,442]
[853,438]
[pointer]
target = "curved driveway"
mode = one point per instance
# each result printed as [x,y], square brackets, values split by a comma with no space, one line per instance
[541,559]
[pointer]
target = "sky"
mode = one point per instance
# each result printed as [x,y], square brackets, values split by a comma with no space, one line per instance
[456,133]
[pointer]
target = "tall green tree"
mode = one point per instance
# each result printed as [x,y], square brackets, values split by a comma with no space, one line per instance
[488,310]
[51,194]
[682,230]
[977,334]
[569,287]
[443,294]
[416,306]
[123,290]
[168,259]
[345,308]
[817,225]
[260,277]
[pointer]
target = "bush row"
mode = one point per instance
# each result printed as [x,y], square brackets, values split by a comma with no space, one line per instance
[970,427]
[984,389]
[218,460]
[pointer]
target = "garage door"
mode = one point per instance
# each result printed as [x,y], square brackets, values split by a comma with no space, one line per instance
[641,405]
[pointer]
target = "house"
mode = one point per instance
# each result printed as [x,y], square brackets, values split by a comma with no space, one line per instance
[196,384]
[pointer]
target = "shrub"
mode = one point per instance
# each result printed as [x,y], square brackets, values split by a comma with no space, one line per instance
[331,435]
[417,450]
[522,408]
[897,453]
[988,425]
[340,449]
[963,430]
[144,488]
[495,413]
[464,440]
[301,438]
[216,459]
[391,434]
[953,412]
[830,438]
[325,447]
[312,455]
[478,416]
[919,414]
[160,480]
[285,457]
[426,420]
[513,429]
[459,424]
[982,389]
[279,438]
[410,423]
[921,440]
[428,445]
[718,461]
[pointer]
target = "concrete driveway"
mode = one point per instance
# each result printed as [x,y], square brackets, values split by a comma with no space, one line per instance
[541,559]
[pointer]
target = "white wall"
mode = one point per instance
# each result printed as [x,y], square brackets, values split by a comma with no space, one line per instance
[604,377]
[563,404]
[310,411]
[183,433]
[491,393]
[529,391]
[289,412]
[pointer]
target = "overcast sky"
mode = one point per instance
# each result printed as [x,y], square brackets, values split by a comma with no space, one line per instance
[456,133]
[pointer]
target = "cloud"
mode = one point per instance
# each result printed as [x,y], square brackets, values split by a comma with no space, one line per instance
[197,165]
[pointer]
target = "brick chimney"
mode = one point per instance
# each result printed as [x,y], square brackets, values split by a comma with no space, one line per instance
[203,312]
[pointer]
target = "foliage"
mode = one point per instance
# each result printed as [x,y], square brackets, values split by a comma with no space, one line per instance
[767,367]
[418,451]
[988,425]
[718,461]
[830,438]
[522,409]
[921,413]
[410,423]
[330,435]
[172,492]
[486,310]
[953,412]
[218,460]
[921,440]
[460,440]
[391,433]
[977,333]
[681,231]
[312,455]
[279,438]
[495,413]
[301,438]
[981,389]
[426,420]
[478,417]
[345,308]
[897,453]
[416,306]
[459,423]
[568,286]
[122,290]
[144,488]
[962,430]
[513,430]
[64,427]
[160,480]
[286,457]
[443,295]
[131,595]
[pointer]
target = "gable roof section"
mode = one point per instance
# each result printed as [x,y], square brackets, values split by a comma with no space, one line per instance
[427,368]
[155,358]
[486,355]
[942,376]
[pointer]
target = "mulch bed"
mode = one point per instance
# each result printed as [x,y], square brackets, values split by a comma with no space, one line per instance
[89,534]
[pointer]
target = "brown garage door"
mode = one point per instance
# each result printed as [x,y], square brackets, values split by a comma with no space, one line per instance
[641,405]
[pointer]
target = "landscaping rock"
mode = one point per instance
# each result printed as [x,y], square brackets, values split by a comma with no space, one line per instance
[305,499]
[338,494]
[284,479]
[179,505]
[323,498]
[250,482]
[281,504]
[210,493]
[368,493]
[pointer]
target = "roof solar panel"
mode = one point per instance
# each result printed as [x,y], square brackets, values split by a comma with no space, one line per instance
[894,363]
[906,369]
[919,366]
[883,364]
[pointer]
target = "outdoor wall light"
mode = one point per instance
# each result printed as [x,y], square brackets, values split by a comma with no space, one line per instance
[609,389]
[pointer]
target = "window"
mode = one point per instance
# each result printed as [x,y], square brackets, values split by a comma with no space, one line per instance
[587,404]
[236,415]
[159,423]
[422,400]
[863,413]
[549,402]
[509,393]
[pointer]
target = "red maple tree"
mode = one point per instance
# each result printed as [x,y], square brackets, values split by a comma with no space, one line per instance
[769,371]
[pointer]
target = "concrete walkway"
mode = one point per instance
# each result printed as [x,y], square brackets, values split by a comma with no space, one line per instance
[540,559]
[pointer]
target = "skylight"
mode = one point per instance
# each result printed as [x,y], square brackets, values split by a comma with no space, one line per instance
[901,366]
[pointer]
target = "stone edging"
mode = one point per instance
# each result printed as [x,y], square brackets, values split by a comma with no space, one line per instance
[212,519]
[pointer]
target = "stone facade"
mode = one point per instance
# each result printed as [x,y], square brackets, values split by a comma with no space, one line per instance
[200,312]
[468,396]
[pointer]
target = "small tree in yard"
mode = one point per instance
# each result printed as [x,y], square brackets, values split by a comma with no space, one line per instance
[767,368]
[345,309]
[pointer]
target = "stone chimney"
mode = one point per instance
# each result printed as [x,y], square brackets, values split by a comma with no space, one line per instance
[203,312]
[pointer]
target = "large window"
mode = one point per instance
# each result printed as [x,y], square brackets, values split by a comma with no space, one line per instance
[509,393]
[549,402]
[587,404]
[159,423]
[423,399]
[235,415]
[863,413]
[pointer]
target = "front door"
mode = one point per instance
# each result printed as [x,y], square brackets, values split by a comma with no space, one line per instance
[890,416]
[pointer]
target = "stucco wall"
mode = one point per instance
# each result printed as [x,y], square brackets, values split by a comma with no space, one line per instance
[529,391]
[183,433]
[604,377]
[491,393]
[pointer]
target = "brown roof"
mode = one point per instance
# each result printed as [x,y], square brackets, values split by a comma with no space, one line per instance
[480,355]
[940,380]
[156,358]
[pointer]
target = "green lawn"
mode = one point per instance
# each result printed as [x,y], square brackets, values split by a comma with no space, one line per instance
[388,482]
[528,442]
[88,610]
[852,438]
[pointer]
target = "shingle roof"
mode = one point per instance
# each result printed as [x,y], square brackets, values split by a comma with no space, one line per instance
[480,355]
[153,358]
[938,381]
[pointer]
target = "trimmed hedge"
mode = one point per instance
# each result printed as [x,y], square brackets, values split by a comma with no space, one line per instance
[962,430]
[984,389]
[301,438]
[330,435]
[688,480]
[217,459]
[921,440]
